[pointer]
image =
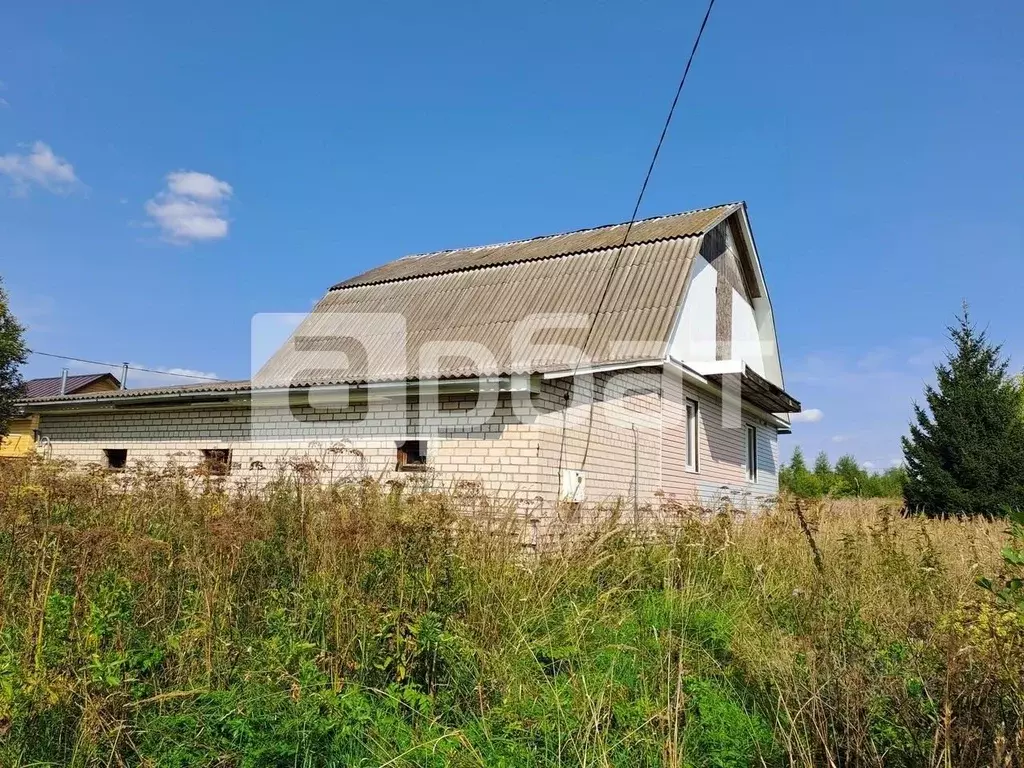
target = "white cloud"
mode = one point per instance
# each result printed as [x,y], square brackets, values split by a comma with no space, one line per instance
[840,438]
[201,186]
[191,208]
[927,357]
[38,166]
[808,415]
[868,465]
[185,220]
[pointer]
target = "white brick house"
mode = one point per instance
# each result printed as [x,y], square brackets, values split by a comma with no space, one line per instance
[628,363]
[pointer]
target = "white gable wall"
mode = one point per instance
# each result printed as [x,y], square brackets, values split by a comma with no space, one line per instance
[753,326]
[694,337]
[769,345]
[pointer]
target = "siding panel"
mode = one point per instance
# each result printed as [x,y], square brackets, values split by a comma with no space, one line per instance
[767,462]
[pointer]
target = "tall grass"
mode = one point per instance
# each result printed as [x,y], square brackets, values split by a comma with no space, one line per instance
[159,620]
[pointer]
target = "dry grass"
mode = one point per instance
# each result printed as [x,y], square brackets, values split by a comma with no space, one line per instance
[164,621]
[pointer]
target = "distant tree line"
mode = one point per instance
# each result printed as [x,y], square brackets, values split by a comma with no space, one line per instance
[964,454]
[846,478]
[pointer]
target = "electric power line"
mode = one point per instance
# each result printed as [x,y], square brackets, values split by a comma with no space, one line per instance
[629,227]
[122,365]
[611,272]
[647,179]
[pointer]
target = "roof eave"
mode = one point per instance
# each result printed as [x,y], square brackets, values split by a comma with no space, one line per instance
[242,396]
[767,396]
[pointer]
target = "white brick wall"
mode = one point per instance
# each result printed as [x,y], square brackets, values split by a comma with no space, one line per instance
[627,435]
[498,454]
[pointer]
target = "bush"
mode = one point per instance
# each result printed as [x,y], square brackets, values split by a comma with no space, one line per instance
[847,480]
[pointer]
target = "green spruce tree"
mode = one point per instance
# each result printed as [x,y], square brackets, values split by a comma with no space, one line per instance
[797,464]
[795,477]
[965,453]
[850,477]
[822,474]
[12,356]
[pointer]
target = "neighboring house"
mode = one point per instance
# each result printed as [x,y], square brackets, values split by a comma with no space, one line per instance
[563,368]
[21,430]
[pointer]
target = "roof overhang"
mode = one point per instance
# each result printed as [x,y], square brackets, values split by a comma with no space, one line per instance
[122,402]
[268,396]
[586,370]
[757,390]
[711,384]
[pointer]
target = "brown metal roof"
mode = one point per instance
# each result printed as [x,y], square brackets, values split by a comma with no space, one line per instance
[688,224]
[34,388]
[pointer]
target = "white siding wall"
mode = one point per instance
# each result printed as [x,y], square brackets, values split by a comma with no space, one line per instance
[753,325]
[767,462]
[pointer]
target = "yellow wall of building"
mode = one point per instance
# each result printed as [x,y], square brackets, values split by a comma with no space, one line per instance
[20,439]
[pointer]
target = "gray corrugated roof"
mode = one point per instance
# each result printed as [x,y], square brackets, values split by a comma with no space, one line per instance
[114,394]
[457,302]
[688,224]
[397,324]
[392,322]
[51,386]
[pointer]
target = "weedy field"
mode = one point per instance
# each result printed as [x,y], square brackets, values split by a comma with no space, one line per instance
[177,624]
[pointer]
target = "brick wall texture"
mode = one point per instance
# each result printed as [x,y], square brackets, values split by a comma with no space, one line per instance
[626,431]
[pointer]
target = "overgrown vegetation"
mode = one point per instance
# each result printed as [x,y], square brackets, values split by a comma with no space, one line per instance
[158,620]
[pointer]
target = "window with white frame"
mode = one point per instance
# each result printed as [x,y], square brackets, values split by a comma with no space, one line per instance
[692,436]
[752,453]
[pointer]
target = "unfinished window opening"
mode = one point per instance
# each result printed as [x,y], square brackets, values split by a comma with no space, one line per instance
[752,454]
[117,458]
[217,461]
[692,436]
[412,456]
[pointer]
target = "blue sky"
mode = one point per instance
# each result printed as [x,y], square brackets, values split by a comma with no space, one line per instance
[878,145]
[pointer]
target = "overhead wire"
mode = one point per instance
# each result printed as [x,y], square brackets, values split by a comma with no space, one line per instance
[625,239]
[123,365]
